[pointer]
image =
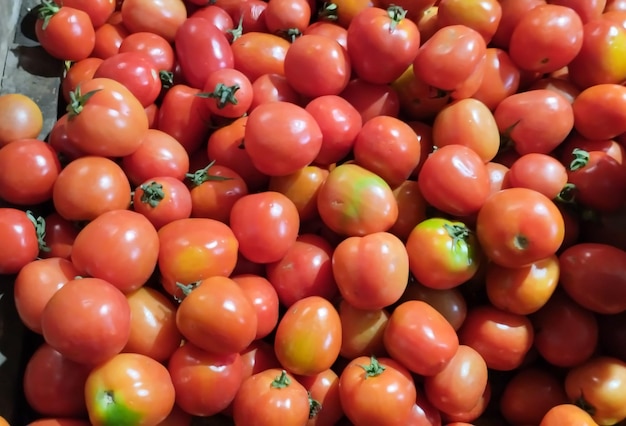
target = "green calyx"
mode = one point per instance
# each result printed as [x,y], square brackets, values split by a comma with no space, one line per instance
[396,14]
[200,176]
[374,368]
[282,381]
[78,101]
[46,10]
[581,158]
[152,193]
[40,229]
[223,95]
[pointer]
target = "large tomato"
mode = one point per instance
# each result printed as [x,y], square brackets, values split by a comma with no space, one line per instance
[22,239]
[158,49]
[163,17]
[129,389]
[519,226]
[59,27]
[541,172]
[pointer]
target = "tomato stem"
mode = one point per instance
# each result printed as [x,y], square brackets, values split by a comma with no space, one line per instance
[223,93]
[374,368]
[167,78]
[314,406]
[281,381]
[397,14]
[198,177]
[78,101]
[584,405]
[567,194]
[237,31]
[291,34]
[328,12]
[458,233]
[152,193]
[40,229]
[520,242]
[186,289]
[581,158]
[46,11]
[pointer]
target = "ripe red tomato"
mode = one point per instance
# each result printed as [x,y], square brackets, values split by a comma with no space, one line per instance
[371,99]
[519,226]
[376,391]
[450,303]
[592,275]
[541,172]
[99,11]
[60,236]
[264,299]
[158,49]
[87,320]
[501,78]
[59,27]
[78,72]
[228,93]
[420,338]
[163,17]
[281,138]
[285,16]
[109,37]
[382,43]
[329,29]
[162,200]
[383,281]
[512,13]
[217,15]
[361,331]
[324,388]
[481,15]
[22,239]
[454,179]
[192,368]
[193,249]
[411,209]
[64,393]
[271,397]
[310,324]
[273,87]
[129,388]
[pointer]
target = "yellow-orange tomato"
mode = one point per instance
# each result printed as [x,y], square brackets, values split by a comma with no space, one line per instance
[362,331]
[480,15]
[20,118]
[308,337]
[525,289]
[302,188]
[569,414]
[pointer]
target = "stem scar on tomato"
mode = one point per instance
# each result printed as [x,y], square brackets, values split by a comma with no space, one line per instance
[520,242]
[374,368]
[200,176]
[282,381]
[152,193]
[397,14]
[584,405]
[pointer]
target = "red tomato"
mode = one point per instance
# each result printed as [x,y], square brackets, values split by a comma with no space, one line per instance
[519,226]
[420,338]
[329,29]
[155,46]
[324,389]
[77,73]
[287,16]
[382,43]
[22,238]
[271,88]
[193,249]
[411,209]
[61,143]
[592,275]
[270,241]
[87,320]
[540,172]
[454,179]
[271,397]
[99,11]
[162,200]
[153,330]
[281,138]
[376,391]
[600,111]
[502,338]
[163,17]
[305,270]
[481,15]
[60,236]
[343,11]
[129,388]
[385,278]
[109,37]
[21,118]
[251,14]
[228,93]
[501,78]
[371,99]
[450,303]
[316,65]
[512,12]
[215,14]
[58,27]
[361,331]
[264,298]
[310,324]
[193,369]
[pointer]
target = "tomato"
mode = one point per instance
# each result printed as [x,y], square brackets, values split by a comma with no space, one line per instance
[595,176]
[601,58]
[22,239]
[162,200]
[163,17]
[535,121]
[454,179]
[59,238]
[371,99]
[43,167]
[361,331]
[87,320]
[393,161]
[437,59]
[518,226]
[193,249]
[58,422]
[198,374]
[136,71]
[553,323]
[376,391]
[158,49]
[530,394]
[385,278]
[342,12]
[281,138]
[264,299]
[354,201]
[598,385]
[569,413]
[522,290]
[480,15]
[63,395]
[305,270]
[502,338]
[258,53]
[184,116]
[109,37]
[467,122]
[215,14]
[546,38]
[20,118]
[228,93]
[512,12]
[251,14]
[473,414]
[301,187]
[497,175]
[540,172]
[310,324]
[60,142]
[560,85]
[450,303]
[230,328]
[273,87]
[287,16]
[592,275]
[460,385]
[316,65]
[411,209]
[599,111]
[35,284]
[58,27]
[420,338]
[324,388]
[129,388]
[257,357]
[442,254]
[77,73]
[329,29]
[274,227]
[340,123]
[99,11]
[382,43]
[153,330]
[612,337]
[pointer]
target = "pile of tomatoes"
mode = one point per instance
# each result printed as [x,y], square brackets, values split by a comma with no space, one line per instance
[291,213]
